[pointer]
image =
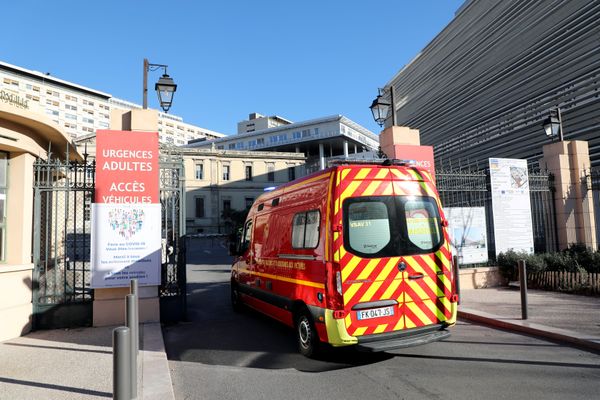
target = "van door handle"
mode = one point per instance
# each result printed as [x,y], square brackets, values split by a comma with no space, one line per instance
[418,276]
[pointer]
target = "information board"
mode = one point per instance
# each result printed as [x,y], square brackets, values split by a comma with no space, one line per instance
[126,214]
[511,205]
[468,232]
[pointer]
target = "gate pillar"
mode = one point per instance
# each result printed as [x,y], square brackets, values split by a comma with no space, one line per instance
[569,161]
[109,304]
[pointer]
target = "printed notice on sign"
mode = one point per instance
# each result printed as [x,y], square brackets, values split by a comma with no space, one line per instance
[126,217]
[468,232]
[511,205]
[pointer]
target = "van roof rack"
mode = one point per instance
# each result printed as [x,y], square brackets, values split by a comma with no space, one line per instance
[381,161]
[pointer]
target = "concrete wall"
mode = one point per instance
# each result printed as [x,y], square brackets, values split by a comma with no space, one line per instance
[477,278]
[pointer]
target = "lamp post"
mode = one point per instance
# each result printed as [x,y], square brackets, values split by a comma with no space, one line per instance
[165,87]
[381,108]
[553,124]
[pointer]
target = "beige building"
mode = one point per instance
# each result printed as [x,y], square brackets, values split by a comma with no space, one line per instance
[80,110]
[25,135]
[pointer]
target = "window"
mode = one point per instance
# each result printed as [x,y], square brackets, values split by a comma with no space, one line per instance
[221,147]
[316,131]
[260,141]
[199,207]
[282,138]
[271,172]
[226,206]
[87,120]
[273,139]
[71,98]
[70,107]
[305,230]
[225,172]
[385,226]
[248,172]
[231,146]
[3,190]
[247,237]
[248,202]
[199,171]
[239,145]
[71,116]
[306,133]
[296,135]
[291,173]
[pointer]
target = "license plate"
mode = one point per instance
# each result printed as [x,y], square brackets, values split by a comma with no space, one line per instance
[375,313]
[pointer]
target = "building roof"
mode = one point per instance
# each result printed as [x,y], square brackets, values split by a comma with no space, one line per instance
[47,78]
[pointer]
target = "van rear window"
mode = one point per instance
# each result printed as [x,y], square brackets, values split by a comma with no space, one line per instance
[389,226]
[305,230]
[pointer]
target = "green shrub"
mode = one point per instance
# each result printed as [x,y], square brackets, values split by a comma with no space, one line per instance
[585,257]
[559,262]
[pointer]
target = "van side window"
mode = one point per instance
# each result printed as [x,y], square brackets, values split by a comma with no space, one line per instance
[246,237]
[305,230]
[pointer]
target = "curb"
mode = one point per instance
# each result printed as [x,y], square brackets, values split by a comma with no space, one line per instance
[587,342]
[156,377]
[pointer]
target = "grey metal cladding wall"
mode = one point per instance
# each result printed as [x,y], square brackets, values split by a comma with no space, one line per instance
[484,85]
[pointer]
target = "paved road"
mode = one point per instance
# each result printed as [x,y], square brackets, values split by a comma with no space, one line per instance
[222,355]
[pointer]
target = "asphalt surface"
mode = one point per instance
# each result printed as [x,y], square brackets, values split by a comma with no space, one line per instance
[219,354]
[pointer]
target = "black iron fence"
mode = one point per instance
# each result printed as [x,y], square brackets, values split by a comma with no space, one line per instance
[470,187]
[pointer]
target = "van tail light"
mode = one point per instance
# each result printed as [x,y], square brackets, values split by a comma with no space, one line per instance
[338,282]
[335,300]
[454,298]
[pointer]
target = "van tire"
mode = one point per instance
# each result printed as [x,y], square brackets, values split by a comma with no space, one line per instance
[236,302]
[306,335]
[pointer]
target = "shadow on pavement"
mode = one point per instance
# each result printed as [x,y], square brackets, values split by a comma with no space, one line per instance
[215,335]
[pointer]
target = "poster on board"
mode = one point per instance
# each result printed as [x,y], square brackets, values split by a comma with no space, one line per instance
[468,232]
[126,214]
[511,206]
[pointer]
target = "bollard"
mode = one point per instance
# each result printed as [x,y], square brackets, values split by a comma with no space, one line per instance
[133,286]
[121,363]
[133,327]
[456,277]
[523,287]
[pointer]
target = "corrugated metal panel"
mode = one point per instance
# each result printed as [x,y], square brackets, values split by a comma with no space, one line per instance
[484,85]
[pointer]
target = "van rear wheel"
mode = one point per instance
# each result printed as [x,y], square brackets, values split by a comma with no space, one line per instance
[306,335]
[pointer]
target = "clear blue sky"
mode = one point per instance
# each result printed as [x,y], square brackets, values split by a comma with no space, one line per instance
[299,59]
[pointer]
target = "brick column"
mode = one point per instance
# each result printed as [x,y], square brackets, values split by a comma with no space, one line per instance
[569,161]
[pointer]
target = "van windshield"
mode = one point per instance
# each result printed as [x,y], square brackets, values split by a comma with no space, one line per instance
[390,226]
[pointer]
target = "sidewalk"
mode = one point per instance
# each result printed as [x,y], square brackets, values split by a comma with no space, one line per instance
[77,364]
[551,315]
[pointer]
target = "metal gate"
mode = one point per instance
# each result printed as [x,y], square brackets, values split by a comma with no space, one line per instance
[63,194]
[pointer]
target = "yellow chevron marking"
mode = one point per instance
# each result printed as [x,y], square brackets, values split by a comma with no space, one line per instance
[349,267]
[388,191]
[369,293]
[336,254]
[398,174]
[435,310]
[360,331]
[348,294]
[328,223]
[373,186]
[385,272]
[345,173]
[414,264]
[286,279]
[342,252]
[382,174]
[432,284]
[400,324]
[409,323]
[362,174]
[434,267]
[348,320]
[380,328]
[391,289]
[366,272]
[350,190]
[418,290]
[418,313]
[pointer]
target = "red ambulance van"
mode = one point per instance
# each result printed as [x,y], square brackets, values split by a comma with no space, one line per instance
[357,254]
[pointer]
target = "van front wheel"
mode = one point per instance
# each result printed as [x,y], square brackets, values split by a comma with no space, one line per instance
[306,335]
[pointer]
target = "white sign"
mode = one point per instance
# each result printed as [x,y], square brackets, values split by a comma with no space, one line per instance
[511,205]
[126,244]
[468,232]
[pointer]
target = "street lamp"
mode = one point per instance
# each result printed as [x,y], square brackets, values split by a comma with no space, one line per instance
[165,87]
[553,124]
[381,108]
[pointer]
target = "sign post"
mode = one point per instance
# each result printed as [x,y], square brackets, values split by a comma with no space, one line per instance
[126,216]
